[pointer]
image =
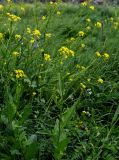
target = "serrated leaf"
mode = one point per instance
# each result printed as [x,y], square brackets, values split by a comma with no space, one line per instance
[11,108]
[67,115]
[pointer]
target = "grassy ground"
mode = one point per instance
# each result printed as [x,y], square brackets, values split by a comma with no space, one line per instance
[59,84]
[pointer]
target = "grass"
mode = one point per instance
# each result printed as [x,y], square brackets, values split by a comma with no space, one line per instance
[59,103]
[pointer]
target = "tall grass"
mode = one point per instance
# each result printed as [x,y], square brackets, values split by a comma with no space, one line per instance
[59,82]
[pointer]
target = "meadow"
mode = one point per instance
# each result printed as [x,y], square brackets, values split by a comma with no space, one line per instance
[59,81]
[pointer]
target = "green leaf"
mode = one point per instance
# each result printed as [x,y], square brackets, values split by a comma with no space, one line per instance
[59,136]
[67,115]
[31,147]
[115,115]
[61,147]
[25,113]
[18,93]
[11,108]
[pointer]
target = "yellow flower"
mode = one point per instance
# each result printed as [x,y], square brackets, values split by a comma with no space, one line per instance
[1,36]
[48,35]
[61,62]
[17,36]
[19,73]
[83,45]
[51,3]
[106,56]
[1,7]
[111,19]
[84,4]
[92,7]
[66,52]
[98,54]
[47,57]
[81,34]
[100,80]
[58,12]
[9,1]
[98,24]
[13,17]
[34,93]
[43,17]
[32,41]
[88,28]
[36,33]
[72,39]
[22,9]
[88,20]
[82,68]
[88,79]
[78,66]
[28,30]
[83,86]
[115,25]
[15,53]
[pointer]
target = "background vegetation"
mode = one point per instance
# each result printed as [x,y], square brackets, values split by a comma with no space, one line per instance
[59,84]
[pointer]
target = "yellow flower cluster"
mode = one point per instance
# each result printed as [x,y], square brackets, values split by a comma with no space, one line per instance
[98,54]
[81,33]
[43,17]
[28,30]
[22,9]
[15,53]
[92,7]
[9,1]
[88,20]
[19,73]
[100,80]
[1,7]
[82,68]
[47,57]
[34,93]
[83,86]
[13,17]
[36,33]
[104,55]
[1,36]
[72,39]
[32,41]
[98,24]
[48,35]
[53,3]
[84,4]
[115,25]
[66,52]
[58,12]
[17,36]
[83,45]
[88,28]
